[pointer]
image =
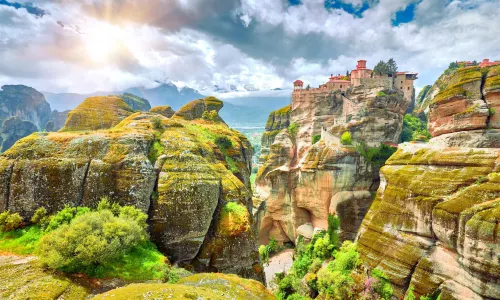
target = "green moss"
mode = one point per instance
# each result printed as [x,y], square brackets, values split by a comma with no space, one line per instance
[234,220]
[21,241]
[458,82]
[155,151]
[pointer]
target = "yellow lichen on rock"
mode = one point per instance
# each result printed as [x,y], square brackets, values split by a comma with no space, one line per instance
[97,113]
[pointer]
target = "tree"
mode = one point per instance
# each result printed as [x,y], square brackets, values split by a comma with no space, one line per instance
[392,66]
[453,65]
[347,74]
[381,68]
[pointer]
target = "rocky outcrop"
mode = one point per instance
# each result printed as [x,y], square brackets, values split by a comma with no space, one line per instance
[164,110]
[97,113]
[467,102]
[135,102]
[173,169]
[436,216]
[277,121]
[14,129]
[57,120]
[303,182]
[195,109]
[198,286]
[25,103]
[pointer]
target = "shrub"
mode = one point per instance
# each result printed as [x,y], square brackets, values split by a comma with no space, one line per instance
[375,155]
[382,286]
[346,138]
[414,129]
[481,179]
[65,216]
[174,274]
[333,230]
[266,250]
[157,123]
[39,215]
[316,138]
[292,129]
[9,222]
[322,247]
[492,111]
[381,94]
[91,240]
[223,142]
[409,294]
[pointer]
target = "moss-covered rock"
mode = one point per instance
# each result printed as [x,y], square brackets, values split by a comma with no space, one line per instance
[199,286]
[195,109]
[163,110]
[97,113]
[22,278]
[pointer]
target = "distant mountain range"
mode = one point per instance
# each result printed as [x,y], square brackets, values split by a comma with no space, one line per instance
[238,112]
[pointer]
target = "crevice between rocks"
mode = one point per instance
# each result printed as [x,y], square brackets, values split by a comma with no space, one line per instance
[7,187]
[84,181]
[481,90]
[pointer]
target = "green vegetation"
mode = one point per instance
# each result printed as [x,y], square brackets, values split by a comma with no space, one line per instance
[9,221]
[423,93]
[223,142]
[267,250]
[377,156]
[343,277]
[346,138]
[316,138]
[409,294]
[157,123]
[155,151]
[383,68]
[492,111]
[109,241]
[210,116]
[381,94]
[434,296]
[292,129]
[414,129]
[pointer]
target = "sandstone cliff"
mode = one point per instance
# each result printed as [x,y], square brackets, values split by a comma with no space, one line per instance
[277,121]
[436,213]
[190,175]
[303,182]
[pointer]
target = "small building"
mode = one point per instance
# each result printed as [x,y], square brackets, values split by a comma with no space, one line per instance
[487,63]
[403,81]
[337,83]
[298,85]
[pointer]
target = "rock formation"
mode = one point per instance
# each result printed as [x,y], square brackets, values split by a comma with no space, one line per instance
[97,113]
[135,102]
[303,182]
[177,170]
[14,129]
[277,121]
[437,211]
[57,120]
[24,102]
[163,110]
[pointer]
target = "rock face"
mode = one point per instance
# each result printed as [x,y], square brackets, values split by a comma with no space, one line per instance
[97,113]
[436,217]
[437,211]
[24,102]
[195,109]
[14,129]
[57,120]
[136,103]
[173,169]
[277,121]
[467,102]
[163,110]
[303,183]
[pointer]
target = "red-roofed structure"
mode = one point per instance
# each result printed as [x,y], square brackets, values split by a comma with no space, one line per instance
[487,63]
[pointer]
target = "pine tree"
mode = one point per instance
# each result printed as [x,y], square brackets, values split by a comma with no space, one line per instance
[392,66]
[381,68]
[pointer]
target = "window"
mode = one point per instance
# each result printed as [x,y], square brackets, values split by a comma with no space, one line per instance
[340,86]
[401,87]
[401,81]
[408,88]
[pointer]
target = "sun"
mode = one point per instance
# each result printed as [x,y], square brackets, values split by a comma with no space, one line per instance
[101,41]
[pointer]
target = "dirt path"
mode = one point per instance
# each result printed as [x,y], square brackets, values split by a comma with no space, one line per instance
[281,262]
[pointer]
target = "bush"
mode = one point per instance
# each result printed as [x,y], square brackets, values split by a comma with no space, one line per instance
[292,129]
[157,123]
[346,138]
[65,216]
[333,230]
[492,111]
[322,248]
[174,274]
[266,250]
[414,129]
[9,222]
[376,155]
[409,294]
[210,116]
[382,286]
[223,142]
[39,215]
[316,138]
[91,240]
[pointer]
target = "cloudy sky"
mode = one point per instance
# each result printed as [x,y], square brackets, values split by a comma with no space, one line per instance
[91,45]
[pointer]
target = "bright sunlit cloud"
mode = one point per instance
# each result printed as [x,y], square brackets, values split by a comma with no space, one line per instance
[101,41]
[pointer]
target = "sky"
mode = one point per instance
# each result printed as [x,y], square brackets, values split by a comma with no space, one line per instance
[106,45]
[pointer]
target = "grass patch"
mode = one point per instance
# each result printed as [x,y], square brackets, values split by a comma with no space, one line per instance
[155,151]
[21,241]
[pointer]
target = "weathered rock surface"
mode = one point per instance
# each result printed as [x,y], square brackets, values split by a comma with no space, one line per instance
[24,102]
[97,113]
[195,109]
[172,169]
[467,101]
[164,110]
[57,120]
[436,218]
[302,183]
[277,121]
[198,286]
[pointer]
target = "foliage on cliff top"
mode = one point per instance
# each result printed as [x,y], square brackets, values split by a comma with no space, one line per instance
[492,79]
[163,110]
[97,113]
[279,114]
